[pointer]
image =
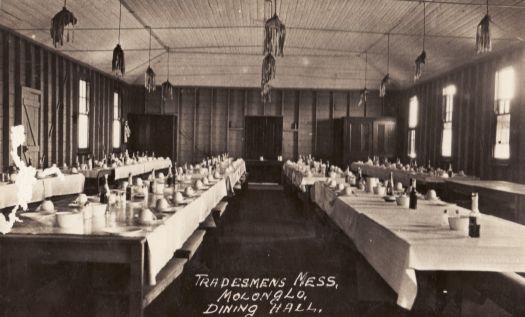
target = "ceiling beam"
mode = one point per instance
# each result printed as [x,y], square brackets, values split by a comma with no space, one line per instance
[509,6]
[299,28]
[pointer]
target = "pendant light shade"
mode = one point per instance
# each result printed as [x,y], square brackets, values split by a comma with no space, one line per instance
[265,93]
[149,77]
[421,59]
[149,80]
[364,91]
[59,23]
[483,42]
[118,65]
[167,87]
[268,69]
[274,35]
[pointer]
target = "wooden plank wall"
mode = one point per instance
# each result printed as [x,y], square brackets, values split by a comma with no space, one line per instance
[211,120]
[26,63]
[473,119]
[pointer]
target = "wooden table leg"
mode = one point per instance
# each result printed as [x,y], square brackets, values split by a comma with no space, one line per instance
[136,280]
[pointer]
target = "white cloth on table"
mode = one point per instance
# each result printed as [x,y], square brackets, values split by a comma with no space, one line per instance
[397,241]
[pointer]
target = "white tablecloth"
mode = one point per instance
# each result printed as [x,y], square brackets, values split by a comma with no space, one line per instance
[404,177]
[122,172]
[44,188]
[397,241]
[296,177]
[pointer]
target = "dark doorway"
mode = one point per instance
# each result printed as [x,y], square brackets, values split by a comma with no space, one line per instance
[263,136]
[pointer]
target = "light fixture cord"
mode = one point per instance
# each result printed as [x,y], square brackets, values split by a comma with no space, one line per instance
[65,3]
[275,8]
[168,63]
[366,66]
[487,7]
[424,23]
[149,55]
[388,54]
[119,19]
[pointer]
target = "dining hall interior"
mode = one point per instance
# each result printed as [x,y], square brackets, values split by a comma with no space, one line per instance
[262,157]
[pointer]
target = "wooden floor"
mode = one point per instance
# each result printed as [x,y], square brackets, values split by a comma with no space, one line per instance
[268,232]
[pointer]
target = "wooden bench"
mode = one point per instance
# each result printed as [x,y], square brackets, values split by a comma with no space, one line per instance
[208,223]
[506,289]
[190,247]
[165,277]
[219,210]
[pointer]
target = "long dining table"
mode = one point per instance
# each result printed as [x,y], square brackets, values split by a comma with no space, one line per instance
[123,171]
[145,249]
[48,187]
[397,241]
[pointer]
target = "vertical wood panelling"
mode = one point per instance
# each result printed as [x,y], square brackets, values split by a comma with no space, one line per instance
[473,119]
[25,63]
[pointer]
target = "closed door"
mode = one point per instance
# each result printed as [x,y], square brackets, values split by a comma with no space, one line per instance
[31,100]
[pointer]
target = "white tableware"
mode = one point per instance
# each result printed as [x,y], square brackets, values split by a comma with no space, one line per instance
[123,231]
[69,219]
[47,206]
[348,191]
[161,204]
[460,223]
[431,195]
[403,201]
[146,216]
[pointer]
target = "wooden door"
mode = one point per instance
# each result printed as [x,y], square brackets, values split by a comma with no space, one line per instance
[263,137]
[31,101]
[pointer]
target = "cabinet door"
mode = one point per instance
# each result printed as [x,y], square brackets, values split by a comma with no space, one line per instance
[385,138]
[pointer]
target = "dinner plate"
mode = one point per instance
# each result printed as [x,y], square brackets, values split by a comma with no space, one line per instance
[123,231]
[389,198]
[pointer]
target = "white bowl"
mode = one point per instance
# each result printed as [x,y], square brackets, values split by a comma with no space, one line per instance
[69,219]
[162,204]
[459,224]
[431,195]
[47,206]
[403,201]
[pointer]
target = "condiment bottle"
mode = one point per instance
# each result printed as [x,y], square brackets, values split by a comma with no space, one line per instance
[413,196]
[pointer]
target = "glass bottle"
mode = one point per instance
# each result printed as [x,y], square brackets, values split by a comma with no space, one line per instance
[413,196]
[128,189]
[104,191]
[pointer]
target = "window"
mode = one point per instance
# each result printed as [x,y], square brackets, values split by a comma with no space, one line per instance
[448,106]
[83,114]
[504,92]
[412,124]
[116,120]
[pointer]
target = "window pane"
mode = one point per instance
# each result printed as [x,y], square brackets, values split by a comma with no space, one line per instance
[502,148]
[83,131]
[505,83]
[412,112]
[116,134]
[412,143]
[446,143]
[82,105]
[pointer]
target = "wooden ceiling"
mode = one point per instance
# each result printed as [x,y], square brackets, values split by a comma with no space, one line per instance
[219,42]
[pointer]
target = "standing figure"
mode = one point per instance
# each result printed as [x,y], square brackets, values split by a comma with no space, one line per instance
[25,179]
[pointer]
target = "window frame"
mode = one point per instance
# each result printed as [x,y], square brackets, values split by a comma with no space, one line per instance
[449,94]
[115,120]
[87,98]
[502,108]
[412,126]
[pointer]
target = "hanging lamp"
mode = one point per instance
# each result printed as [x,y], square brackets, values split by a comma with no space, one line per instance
[386,80]
[483,42]
[274,35]
[59,23]
[117,64]
[149,77]
[265,93]
[364,92]
[420,60]
[268,69]
[167,87]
